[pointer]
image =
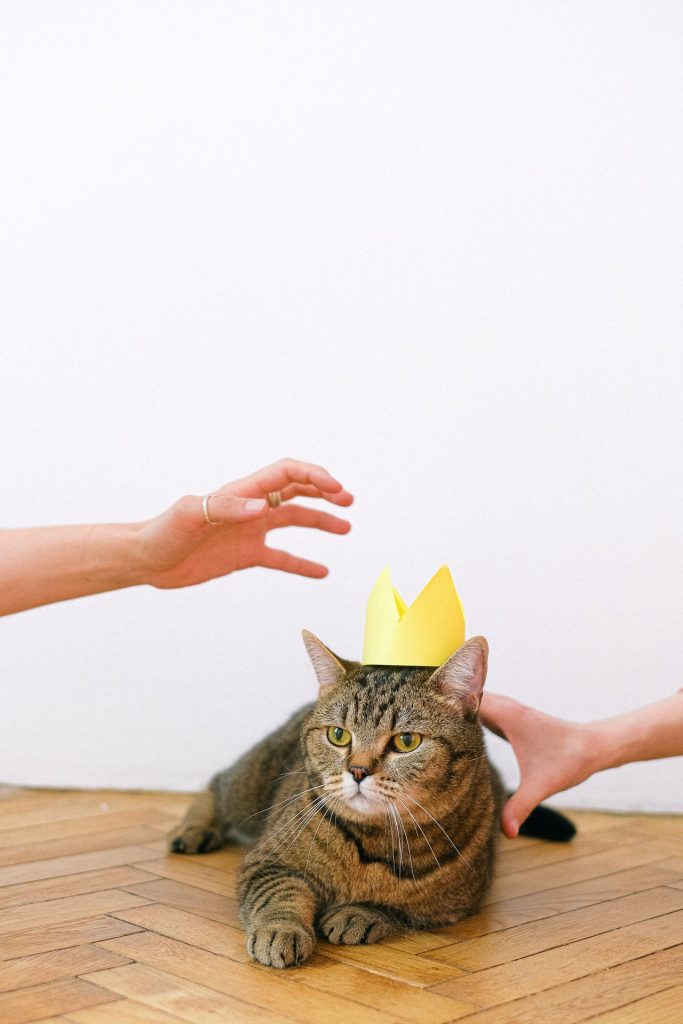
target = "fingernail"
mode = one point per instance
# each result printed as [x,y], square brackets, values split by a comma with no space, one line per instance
[513,826]
[255,505]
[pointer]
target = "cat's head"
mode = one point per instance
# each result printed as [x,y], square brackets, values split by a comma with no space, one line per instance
[381,735]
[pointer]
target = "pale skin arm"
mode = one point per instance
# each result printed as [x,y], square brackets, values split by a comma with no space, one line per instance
[178,548]
[554,755]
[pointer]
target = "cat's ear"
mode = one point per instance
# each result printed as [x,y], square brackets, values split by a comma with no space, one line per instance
[461,679]
[328,667]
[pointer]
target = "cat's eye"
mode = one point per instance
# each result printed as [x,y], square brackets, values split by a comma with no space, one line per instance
[338,736]
[404,742]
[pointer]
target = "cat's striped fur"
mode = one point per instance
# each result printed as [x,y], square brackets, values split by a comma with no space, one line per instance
[410,845]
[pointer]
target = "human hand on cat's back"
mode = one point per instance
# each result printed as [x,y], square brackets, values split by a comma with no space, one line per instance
[552,754]
[199,539]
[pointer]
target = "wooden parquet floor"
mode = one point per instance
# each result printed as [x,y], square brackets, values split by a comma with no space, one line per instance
[98,925]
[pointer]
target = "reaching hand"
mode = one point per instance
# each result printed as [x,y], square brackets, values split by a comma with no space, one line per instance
[180,548]
[552,754]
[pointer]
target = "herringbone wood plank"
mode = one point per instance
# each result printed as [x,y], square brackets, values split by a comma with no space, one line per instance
[99,926]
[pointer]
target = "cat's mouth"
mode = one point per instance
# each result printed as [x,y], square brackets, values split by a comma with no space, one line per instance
[364,806]
[363,799]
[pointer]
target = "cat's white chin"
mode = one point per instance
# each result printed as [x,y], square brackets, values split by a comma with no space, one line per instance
[364,805]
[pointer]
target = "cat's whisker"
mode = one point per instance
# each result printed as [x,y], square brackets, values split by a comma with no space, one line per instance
[290,823]
[285,804]
[313,839]
[386,822]
[276,846]
[295,821]
[393,848]
[287,827]
[335,791]
[334,812]
[399,837]
[295,771]
[287,771]
[394,829]
[399,825]
[398,844]
[424,834]
[332,807]
[388,819]
[438,825]
[319,802]
[308,810]
[410,855]
[394,844]
[279,803]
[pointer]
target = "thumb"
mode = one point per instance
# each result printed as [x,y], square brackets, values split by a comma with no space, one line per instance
[518,808]
[223,509]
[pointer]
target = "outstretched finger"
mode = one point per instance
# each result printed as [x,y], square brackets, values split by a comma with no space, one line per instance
[342,497]
[283,473]
[274,559]
[312,518]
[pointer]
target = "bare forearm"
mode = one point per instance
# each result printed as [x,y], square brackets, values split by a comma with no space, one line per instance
[181,547]
[55,563]
[643,734]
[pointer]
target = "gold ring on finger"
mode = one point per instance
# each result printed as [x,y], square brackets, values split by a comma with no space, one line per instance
[205,511]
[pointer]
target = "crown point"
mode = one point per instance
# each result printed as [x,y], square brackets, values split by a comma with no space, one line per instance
[425,633]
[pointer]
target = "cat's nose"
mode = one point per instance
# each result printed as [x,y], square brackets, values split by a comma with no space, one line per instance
[359,772]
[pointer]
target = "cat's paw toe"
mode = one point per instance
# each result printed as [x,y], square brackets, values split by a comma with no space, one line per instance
[354,926]
[280,945]
[194,840]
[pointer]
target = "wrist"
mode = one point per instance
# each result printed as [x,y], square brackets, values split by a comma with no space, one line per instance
[113,556]
[609,744]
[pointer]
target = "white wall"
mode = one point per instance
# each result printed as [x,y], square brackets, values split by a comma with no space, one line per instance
[436,246]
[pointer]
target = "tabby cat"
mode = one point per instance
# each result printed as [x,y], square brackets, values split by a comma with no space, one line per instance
[370,812]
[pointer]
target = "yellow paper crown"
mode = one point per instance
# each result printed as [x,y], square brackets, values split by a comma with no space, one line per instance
[425,634]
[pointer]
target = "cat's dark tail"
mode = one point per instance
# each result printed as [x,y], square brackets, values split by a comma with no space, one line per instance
[545,823]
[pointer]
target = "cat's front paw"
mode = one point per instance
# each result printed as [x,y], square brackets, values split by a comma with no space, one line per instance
[354,925]
[193,839]
[281,944]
